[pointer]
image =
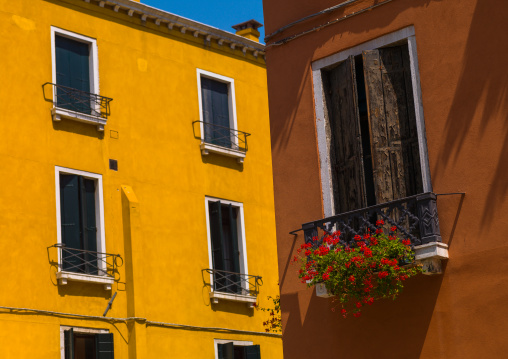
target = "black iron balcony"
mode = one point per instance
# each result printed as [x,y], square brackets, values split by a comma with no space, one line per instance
[414,217]
[79,101]
[81,261]
[234,283]
[224,136]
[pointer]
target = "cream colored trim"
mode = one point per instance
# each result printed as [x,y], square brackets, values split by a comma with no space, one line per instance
[99,210]
[242,244]
[93,59]
[249,299]
[239,155]
[106,281]
[407,34]
[93,63]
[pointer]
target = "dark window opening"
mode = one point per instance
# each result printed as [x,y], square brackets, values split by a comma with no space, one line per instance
[72,61]
[78,224]
[231,351]
[224,224]
[374,151]
[364,130]
[216,117]
[88,345]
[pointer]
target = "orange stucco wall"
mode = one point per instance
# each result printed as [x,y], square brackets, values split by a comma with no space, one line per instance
[462,56]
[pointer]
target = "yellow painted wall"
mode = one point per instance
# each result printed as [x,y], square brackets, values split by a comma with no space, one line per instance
[150,72]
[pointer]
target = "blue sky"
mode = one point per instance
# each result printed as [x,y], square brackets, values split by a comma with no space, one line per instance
[218,13]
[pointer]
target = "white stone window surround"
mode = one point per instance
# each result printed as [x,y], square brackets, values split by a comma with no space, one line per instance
[405,34]
[224,341]
[57,112]
[63,276]
[80,330]
[431,254]
[242,247]
[208,147]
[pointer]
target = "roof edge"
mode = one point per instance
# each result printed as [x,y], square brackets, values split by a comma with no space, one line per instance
[170,20]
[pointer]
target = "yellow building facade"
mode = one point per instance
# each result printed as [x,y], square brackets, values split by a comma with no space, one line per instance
[135,221]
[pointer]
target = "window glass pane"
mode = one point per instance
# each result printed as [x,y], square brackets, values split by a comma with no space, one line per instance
[215,104]
[72,62]
[78,224]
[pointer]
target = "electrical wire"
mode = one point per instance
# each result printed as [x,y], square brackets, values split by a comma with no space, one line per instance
[317,28]
[147,322]
[325,11]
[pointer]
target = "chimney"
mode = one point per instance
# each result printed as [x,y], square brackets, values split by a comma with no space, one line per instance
[248,29]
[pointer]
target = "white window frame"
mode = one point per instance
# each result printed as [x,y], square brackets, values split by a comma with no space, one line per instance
[237,343]
[80,330]
[63,276]
[93,62]
[405,34]
[242,248]
[206,147]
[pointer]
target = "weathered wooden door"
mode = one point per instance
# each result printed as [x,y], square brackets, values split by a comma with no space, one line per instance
[393,134]
[346,144]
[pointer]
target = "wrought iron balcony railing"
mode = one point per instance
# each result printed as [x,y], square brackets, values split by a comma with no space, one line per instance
[224,136]
[79,101]
[87,262]
[415,218]
[234,283]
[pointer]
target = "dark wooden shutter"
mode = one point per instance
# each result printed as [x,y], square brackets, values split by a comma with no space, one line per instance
[69,343]
[70,222]
[206,104]
[215,103]
[217,238]
[89,223]
[104,346]
[394,141]
[252,352]
[346,147]
[215,215]
[72,60]
[226,351]
[235,253]
[233,225]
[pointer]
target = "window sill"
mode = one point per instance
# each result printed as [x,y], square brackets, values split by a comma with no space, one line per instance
[430,256]
[63,277]
[206,148]
[59,113]
[321,291]
[249,299]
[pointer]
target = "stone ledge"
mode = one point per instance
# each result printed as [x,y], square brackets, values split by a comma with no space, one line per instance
[206,148]
[59,113]
[249,299]
[430,256]
[63,277]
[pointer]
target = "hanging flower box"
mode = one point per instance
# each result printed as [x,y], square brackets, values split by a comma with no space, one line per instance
[358,272]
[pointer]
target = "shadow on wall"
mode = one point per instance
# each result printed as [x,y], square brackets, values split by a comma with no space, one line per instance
[390,329]
[481,95]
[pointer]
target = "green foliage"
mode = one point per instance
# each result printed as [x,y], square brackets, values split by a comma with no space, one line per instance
[274,323]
